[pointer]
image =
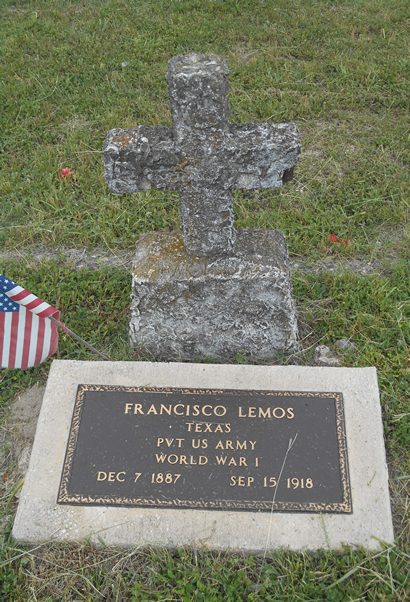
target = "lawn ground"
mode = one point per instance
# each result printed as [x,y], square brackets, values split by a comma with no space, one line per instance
[72,71]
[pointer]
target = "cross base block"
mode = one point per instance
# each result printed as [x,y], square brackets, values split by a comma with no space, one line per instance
[187,308]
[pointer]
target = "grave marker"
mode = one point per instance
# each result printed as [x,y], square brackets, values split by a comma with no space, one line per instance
[202,156]
[218,292]
[305,443]
[199,448]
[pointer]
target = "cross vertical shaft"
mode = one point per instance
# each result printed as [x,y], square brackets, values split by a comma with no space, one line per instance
[198,88]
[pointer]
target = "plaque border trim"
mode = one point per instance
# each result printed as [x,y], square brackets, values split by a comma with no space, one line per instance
[344,507]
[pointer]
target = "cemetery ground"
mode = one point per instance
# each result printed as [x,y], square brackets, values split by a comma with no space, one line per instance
[72,71]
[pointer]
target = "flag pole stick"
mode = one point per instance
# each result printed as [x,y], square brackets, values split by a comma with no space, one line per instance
[78,338]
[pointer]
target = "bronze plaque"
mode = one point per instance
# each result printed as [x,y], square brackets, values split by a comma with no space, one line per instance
[209,449]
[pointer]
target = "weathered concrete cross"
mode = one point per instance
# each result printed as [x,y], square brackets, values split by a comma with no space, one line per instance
[203,157]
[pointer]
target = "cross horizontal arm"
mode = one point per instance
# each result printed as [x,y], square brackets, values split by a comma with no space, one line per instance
[261,155]
[139,158]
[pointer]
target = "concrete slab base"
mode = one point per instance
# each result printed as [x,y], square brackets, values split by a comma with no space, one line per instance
[39,518]
[185,307]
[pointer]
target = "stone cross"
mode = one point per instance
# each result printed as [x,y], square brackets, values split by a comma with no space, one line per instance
[202,156]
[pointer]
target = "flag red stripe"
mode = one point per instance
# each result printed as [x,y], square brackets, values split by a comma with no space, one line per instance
[34,304]
[13,338]
[27,338]
[49,311]
[19,296]
[40,343]
[54,337]
[2,320]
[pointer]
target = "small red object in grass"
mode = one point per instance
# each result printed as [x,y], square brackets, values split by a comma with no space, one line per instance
[332,237]
[65,172]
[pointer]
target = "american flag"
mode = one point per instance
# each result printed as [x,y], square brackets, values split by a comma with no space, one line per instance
[27,335]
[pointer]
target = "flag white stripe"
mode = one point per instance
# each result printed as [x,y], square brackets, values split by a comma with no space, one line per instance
[33,341]
[14,291]
[20,338]
[27,299]
[40,308]
[6,339]
[47,339]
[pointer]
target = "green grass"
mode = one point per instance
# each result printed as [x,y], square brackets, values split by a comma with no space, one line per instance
[340,71]
[109,575]
[368,310]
